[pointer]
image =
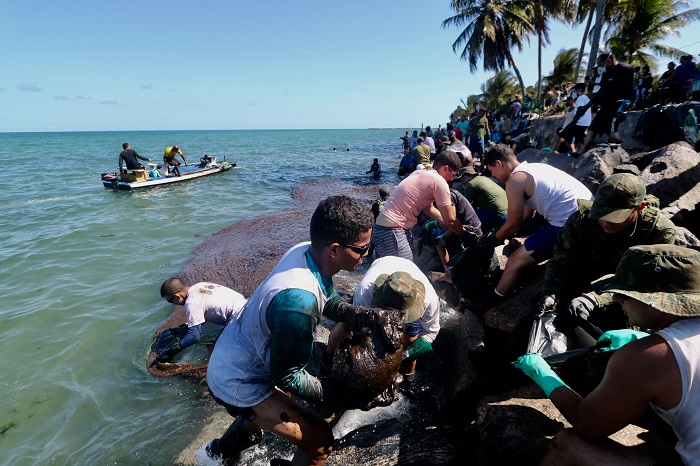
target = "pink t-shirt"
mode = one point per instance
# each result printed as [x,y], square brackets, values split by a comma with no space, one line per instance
[411,196]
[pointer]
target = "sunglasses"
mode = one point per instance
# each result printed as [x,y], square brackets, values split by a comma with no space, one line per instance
[170,299]
[361,250]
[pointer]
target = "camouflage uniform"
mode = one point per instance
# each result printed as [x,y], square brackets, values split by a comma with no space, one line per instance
[583,252]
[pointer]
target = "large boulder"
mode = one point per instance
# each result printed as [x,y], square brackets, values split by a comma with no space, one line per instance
[560,161]
[515,428]
[597,164]
[674,177]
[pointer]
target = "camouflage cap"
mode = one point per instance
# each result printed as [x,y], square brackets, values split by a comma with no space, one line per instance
[400,291]
[617,197]
[464,171]
[664,276]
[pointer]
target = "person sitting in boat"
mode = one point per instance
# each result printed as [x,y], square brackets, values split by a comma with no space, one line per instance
[129,156]
[204,302]
[169,159]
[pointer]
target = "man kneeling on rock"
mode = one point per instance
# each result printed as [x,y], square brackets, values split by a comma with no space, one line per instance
[395,282]
[659,289]
[591,244]
[263,353]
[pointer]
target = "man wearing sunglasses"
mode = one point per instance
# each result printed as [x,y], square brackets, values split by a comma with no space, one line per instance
[204,302]
[416,193]
[263,353]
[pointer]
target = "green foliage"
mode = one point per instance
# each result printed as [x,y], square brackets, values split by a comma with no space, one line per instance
[564,68]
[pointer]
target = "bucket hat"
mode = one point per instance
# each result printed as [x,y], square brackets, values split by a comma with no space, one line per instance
[617,197]
[400,291]
[664,276]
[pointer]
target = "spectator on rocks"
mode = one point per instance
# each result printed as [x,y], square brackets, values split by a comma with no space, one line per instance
[659,289]
[462,124]
[392,235]
[263,353]
[615,95]
[666,84]
[592,242]
[530,188]
[478,127]
[683,78]
[575,133]
[516,107]
[646,80]
[204,302]
[486,197]
[395,282]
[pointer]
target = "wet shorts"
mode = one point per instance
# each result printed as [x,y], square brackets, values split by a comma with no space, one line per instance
[541,242]
[412,328]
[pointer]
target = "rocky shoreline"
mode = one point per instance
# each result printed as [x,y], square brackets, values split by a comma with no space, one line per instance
[461,414]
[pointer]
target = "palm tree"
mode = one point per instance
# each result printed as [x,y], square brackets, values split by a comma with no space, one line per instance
[564,68]
[585,8]
[498,90]
[641,24]
[541,12]
[492,29]
[599,12]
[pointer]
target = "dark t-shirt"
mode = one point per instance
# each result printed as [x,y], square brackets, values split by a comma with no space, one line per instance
[129,156]
[615,85]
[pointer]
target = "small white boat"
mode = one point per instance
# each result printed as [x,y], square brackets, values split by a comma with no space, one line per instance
[158,175]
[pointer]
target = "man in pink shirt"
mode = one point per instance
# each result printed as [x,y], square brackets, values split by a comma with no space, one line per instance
[392,235]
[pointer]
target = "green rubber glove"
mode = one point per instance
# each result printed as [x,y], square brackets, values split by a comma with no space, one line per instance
[419,347]
[430,225]
[535,367]
[616,339]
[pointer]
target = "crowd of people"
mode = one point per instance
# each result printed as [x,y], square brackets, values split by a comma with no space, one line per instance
[610,259]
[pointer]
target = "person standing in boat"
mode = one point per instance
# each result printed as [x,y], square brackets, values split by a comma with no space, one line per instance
[129,156]
[169,158]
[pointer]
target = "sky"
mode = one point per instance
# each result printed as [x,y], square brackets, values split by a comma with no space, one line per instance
[214,64]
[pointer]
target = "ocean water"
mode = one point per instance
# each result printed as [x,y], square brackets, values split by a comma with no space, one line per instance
[81,267]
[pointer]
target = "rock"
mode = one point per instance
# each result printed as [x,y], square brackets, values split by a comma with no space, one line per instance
[515,428]
[560,161]
[674,177]
[516,311]
[592,167]
[627,168]
[686,239]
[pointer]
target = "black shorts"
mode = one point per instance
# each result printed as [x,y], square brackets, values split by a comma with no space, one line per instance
[171,161]
[573,133]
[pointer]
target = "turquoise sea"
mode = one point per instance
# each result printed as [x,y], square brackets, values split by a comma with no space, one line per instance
[81,268]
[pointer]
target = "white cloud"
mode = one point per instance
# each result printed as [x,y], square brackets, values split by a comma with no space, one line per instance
[29,87]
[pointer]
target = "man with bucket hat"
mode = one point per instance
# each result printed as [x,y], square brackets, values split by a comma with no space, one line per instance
[395,282]
[659,289]
[592,242]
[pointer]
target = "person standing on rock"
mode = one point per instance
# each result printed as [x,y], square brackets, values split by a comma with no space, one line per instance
[659,289]
[530,188]
[614,97]
[263,353]
[591,244]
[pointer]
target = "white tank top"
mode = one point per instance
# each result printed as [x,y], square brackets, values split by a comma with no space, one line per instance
[683,337]
[556,192]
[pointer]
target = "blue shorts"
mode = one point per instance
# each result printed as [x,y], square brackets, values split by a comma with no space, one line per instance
[392,242]
[235,411]
[541,243]
[412,328]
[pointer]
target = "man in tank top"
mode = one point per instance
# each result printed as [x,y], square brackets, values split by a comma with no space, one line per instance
[530,187]
[659,289]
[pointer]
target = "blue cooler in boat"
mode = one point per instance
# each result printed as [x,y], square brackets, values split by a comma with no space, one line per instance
[154,173]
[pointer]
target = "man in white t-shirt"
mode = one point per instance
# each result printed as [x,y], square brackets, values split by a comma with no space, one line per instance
[398,283]
[575,132]
[204,302]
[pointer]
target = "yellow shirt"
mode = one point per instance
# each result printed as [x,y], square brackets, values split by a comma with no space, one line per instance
[169,153]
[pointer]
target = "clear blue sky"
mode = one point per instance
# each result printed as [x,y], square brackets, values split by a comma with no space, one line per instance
[175,65]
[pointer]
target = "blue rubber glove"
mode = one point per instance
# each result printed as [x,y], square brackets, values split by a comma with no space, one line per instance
[616,339]
[535,367]
[430,225]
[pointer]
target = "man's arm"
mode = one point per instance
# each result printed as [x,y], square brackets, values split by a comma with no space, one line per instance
[515,192]
[141,158]
[292,317]
[121,159]
[182,156]
[192,337]
[637,374]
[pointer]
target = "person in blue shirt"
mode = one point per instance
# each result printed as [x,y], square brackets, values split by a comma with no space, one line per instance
[261,356]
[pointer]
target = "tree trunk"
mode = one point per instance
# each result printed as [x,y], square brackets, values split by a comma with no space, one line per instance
[511,60]
[599,11]
[583,45]
[539,66]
